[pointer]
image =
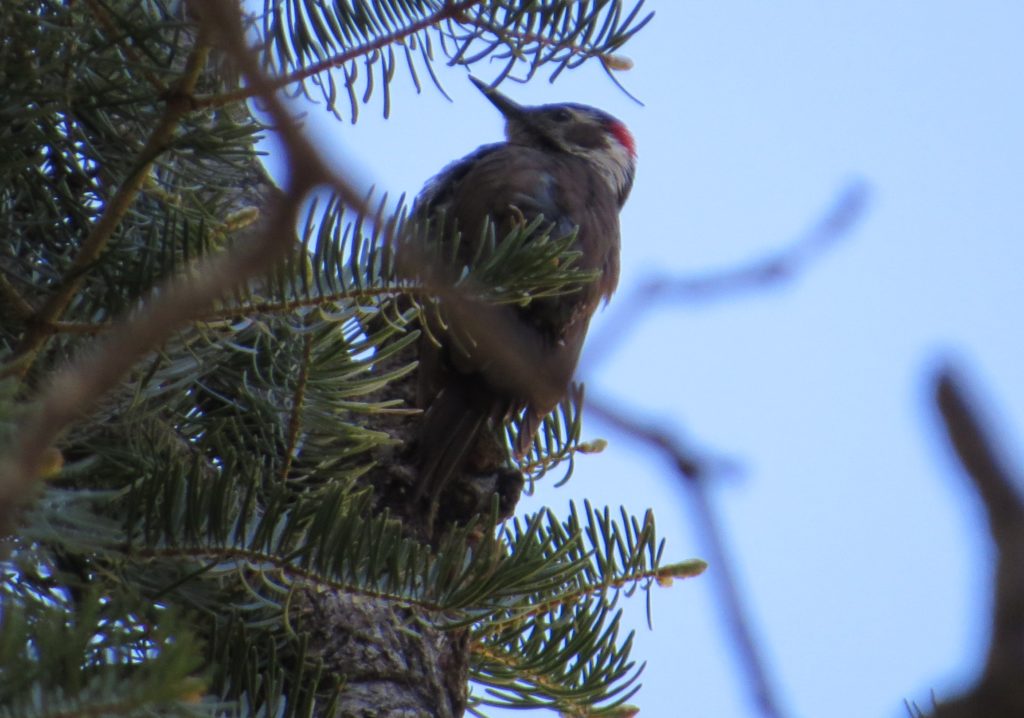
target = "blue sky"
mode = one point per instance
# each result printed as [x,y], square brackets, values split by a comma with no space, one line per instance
[862,553]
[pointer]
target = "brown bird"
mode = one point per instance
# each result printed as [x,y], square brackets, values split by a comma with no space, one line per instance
[573,165]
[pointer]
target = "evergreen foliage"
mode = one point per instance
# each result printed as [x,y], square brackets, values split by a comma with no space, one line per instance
[166,561]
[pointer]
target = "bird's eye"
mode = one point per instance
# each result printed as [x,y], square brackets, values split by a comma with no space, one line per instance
[562,115]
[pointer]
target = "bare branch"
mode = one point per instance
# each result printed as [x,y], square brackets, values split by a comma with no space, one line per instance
[693,468]
[1000,691]
[978,456]
[757,275]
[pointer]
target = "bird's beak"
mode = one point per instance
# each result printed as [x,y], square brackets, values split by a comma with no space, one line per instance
[510,109]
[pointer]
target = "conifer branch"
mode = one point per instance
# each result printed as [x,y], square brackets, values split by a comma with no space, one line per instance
[450,9]
[91,248]
[75,390]
[662,575]
[294,421]
[18,304]
[107,23]
[268,357]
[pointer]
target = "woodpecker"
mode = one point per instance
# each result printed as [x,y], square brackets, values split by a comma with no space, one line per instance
[574,165]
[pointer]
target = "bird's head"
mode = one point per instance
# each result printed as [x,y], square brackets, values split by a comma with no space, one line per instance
[580,130]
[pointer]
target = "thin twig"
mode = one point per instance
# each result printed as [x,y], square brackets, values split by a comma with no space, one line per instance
[448,11]
[693,468]
[690,568]
[298,399]
[17,304]
[757,275]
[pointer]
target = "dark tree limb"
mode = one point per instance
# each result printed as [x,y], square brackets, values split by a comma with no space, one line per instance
[1000,691]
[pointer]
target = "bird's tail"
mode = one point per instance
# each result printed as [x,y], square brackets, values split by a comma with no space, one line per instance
[451,428]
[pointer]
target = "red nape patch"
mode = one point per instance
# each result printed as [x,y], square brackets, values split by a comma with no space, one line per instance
[624,137]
